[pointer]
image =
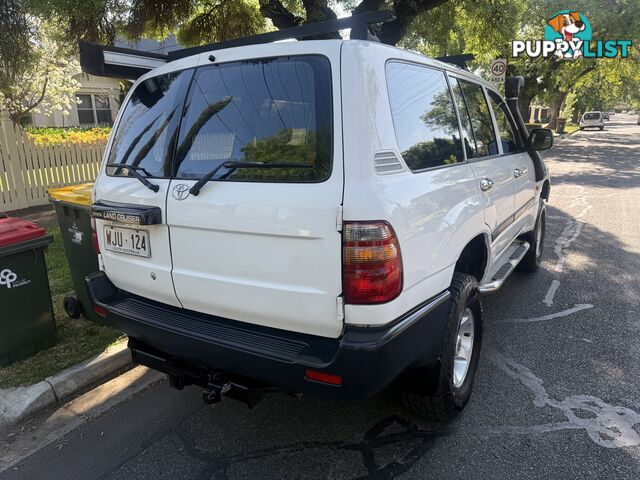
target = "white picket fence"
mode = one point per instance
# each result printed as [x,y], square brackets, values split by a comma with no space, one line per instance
[28,170]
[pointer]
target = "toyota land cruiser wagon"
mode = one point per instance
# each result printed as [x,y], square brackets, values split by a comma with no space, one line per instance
[316,217]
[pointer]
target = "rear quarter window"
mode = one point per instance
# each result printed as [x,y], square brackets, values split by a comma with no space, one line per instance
[424,116]
[272,110]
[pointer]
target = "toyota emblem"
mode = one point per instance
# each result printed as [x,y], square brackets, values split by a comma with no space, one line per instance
[180,191]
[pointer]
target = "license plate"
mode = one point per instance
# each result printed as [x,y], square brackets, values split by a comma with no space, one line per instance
[127,240]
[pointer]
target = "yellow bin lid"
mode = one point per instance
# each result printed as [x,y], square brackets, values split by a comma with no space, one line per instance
[77,194]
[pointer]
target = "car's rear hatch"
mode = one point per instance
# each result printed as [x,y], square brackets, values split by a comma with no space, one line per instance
[256,244]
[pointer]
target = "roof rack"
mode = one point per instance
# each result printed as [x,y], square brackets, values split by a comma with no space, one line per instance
[119,62]
[458,60]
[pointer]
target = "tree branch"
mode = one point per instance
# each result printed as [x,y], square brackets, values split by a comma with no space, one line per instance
[366,6]
[319,11]
[406,10]
[278,14]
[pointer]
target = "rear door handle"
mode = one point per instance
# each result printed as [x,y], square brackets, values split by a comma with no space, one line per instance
[518,172]
[486,184]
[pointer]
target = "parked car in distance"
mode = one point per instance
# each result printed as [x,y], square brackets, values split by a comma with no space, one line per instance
[624,112]
[321,216]
[605,115]
[592,120]
[632,112]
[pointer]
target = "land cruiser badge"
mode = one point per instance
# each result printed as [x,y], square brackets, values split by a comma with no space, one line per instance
[180,191]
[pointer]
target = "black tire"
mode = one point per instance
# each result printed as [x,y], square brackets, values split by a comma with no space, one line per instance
[531,261]
[445,399]
[72,306]
[601,128]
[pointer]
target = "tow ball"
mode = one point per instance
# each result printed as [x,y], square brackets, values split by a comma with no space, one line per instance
[214,390]
[241,389]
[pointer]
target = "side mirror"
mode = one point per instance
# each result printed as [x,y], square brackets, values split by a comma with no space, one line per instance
[540,139]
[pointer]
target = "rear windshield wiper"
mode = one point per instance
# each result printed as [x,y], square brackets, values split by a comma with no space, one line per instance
[134,171]
[233,164]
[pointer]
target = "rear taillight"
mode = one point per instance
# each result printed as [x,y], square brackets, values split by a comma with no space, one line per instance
[94,236]
[371,263]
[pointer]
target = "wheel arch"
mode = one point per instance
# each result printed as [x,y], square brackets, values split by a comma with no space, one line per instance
[474,257]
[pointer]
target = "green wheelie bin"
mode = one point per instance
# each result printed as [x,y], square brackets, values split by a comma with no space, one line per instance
[27,323]
[73,209]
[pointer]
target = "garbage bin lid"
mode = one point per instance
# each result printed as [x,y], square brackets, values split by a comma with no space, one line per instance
[17,230]
[78,194]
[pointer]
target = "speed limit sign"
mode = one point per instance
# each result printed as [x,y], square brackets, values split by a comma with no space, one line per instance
[498,70]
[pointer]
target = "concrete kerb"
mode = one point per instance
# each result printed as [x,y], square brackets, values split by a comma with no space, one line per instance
[18,402]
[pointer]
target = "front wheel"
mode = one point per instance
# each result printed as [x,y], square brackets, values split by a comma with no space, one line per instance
[460,354]
[531,261]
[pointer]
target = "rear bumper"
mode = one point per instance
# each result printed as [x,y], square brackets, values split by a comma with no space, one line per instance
[182,342]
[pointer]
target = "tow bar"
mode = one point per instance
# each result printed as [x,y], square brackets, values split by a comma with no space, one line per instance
[243,390]
[215,382]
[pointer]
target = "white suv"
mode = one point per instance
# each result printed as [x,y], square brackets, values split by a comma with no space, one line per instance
[592,120]
[318,216]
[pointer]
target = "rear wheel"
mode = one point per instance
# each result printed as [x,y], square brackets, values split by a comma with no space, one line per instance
[460,354]
[72,306]
[601,128]
[531,261]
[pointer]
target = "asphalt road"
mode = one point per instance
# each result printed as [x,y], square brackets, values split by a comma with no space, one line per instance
[557,394]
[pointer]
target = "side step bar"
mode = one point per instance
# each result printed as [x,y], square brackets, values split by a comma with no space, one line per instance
[516,251]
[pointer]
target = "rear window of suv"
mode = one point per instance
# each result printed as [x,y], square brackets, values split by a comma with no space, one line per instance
[146,132]
[272,110]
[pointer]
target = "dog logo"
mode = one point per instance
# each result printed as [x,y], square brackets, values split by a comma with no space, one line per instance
[564,27]
[7,277]
[568,36]
[180,191]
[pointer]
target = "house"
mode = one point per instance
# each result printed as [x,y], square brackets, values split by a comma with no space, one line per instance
[98,99]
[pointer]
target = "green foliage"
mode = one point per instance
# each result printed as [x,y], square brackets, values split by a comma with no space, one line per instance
[294,146]
[61,136]
[45,82]
[215,21]
[466,26]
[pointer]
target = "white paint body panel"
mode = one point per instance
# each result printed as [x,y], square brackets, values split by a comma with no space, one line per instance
[434,213]
[134,274]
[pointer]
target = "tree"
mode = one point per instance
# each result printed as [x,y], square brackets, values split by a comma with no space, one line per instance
[42,84]
[552,79]
[15,47]
[200,21]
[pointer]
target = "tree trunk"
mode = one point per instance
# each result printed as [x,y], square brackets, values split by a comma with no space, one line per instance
[555,107]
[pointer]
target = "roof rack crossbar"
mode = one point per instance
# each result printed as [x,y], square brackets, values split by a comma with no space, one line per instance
[458,60]
[358,23]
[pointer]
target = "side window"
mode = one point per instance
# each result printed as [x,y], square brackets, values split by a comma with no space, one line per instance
[424,117]
[481,123]
[506,127]
[465,120]
[146,133]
